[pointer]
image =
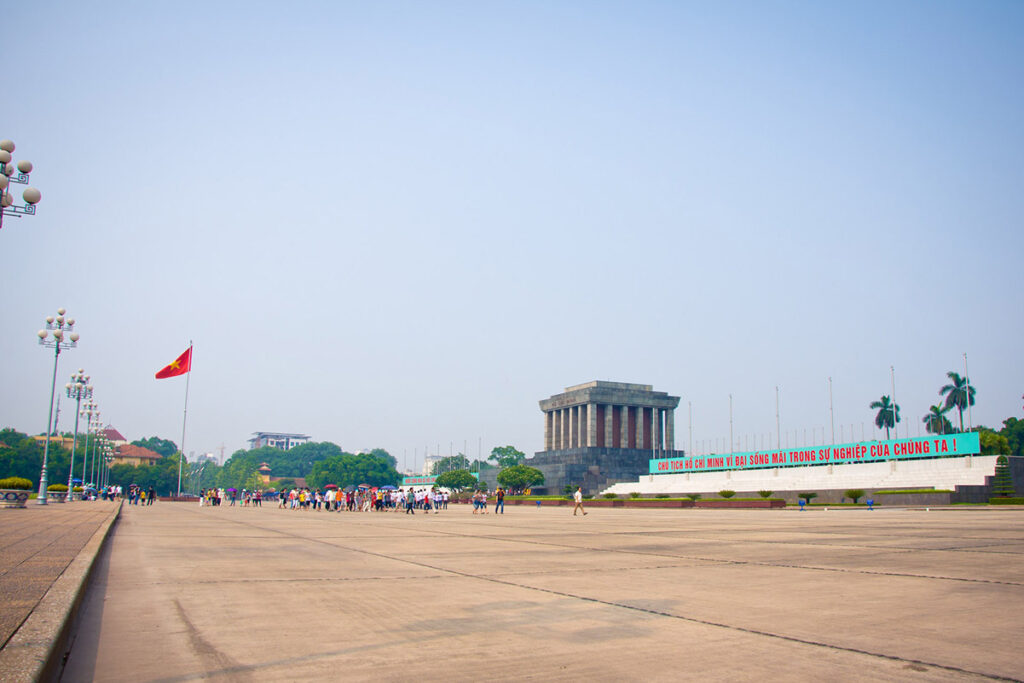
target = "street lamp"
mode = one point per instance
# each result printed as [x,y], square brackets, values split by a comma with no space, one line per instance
[88,410]
[78,388]
[11,173]
[98,447]
[106,472]
[105,457]
[53,335]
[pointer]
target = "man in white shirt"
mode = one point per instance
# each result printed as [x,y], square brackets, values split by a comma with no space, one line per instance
[578,497]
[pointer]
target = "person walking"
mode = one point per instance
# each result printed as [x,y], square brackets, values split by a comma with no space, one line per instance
[578,497]
[499,503]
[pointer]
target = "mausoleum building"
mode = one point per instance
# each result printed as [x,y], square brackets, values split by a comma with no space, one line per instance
[599,433]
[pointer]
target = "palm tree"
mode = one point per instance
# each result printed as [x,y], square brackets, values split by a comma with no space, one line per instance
[960,394]
[888,414]
[935,421]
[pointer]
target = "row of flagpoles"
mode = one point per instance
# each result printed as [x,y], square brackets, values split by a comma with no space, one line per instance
[182,365]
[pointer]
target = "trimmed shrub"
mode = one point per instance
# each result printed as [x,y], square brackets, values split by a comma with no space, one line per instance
[1002,484]
[16,483]
[726,493]
[856,494]
[634,494]
[60,488]
[610,496]
[765,494]
[1007,500]
[693,496]
[808,497]
[662,495]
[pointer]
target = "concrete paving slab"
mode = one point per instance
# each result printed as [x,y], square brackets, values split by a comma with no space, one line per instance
[185,593]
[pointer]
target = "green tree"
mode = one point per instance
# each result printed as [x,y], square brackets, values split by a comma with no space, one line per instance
[351,470]
[520,477]
[935,421]
[958,394]
[388,458]
[1002,484]
[506,456]
[453,462]
[456,480]
[1013,430]
[991,442]
[888,414]
[855,494]
[157,445]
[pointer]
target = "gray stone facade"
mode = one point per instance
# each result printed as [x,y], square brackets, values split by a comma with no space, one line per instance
[600,433]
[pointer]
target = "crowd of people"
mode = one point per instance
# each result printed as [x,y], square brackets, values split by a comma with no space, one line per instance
[361,499]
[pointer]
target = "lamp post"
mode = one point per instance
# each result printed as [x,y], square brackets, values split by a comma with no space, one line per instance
[78,388]
[106,472]
[53,335]
[106,456]
[88,410]
[11,173]
[97,451]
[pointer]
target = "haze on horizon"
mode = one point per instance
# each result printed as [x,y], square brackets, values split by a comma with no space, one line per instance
[401,225]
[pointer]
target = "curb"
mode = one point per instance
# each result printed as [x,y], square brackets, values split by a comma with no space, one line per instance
[36,652]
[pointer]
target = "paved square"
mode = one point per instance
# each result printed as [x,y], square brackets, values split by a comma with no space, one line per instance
[186,593]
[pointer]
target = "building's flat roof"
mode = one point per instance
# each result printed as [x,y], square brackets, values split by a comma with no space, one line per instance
[285,434]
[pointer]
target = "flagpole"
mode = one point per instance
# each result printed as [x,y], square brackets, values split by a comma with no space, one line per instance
[184,419]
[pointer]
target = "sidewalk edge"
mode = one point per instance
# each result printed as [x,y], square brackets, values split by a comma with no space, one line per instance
[36,651]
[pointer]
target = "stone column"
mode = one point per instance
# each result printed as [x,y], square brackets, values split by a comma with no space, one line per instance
[592,424]
[609,412]
[563,421]
[670,429]
[548,418]
[623,426]
[574,420]
[656,415]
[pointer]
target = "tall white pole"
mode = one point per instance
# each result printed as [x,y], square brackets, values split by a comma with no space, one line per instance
[690,410]
[831,411]
[730,424]
[967,380]
[895,415]
[778,432]
[184,417]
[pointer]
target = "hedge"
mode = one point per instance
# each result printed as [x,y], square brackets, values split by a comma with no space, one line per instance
[1007,500]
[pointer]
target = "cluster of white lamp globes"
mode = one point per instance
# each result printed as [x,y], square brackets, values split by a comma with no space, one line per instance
[59,333]
[15,173]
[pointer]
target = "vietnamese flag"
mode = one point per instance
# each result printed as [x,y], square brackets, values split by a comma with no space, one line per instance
[178,366]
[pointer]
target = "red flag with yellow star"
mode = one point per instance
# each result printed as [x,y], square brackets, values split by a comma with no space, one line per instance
[178,366]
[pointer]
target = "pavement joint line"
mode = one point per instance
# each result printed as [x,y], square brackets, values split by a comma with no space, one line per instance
[695,620]
[704,559]
[739,562]
[70,531]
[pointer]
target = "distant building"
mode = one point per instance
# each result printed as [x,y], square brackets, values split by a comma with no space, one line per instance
[428,464]
[130,454]
[285,442]
[113,436]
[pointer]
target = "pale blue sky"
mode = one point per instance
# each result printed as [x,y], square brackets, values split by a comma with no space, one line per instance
[402,224]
